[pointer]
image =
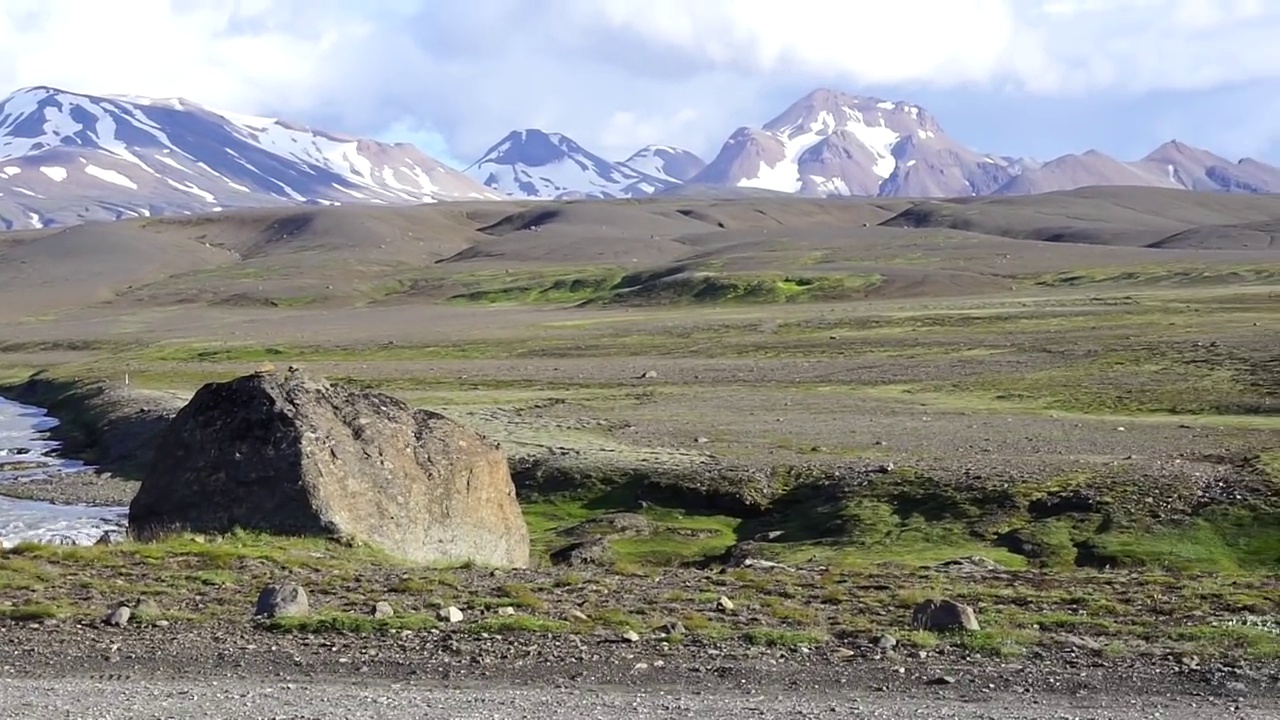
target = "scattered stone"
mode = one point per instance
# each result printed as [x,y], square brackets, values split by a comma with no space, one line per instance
[886,642]
[382,610]
[283,600]
[451,614]
[973,563]
[736,555]
[943,680]
[842,654]
[724,604]
[765,564]
[768,536]
[506,611]
[286,453]
[648,375]
[943,616]
[103,539]
[1083,643]
[702,440]
[594,551]
[118,617]
[576,615]
[631,636]
[673,628]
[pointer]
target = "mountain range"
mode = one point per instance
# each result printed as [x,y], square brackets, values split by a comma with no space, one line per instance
[68,157]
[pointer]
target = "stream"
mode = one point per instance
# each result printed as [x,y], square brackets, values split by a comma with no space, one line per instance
[26,453]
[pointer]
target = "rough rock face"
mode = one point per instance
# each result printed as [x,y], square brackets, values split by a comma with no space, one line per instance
[944,616]
[287,453]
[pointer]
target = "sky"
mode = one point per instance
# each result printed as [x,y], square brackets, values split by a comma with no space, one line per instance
[1036,78]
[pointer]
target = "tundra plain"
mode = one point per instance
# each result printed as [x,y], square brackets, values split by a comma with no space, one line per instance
[1062,410]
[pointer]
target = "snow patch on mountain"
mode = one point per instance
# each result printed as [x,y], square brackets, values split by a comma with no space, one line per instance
[110,176]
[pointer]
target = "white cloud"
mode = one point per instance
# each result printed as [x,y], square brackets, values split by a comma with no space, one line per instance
[625,129]
[618,74]
[927,40]
[1056,47]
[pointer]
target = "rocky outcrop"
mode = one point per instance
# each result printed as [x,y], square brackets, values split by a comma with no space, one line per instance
[936,615]
[290,454]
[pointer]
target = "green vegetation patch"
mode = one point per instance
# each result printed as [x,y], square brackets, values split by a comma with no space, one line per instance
[665,288]
[1162,275]
[1222,540]
[1178,382]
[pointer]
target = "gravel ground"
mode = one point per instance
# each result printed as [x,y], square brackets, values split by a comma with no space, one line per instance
[338,698]
[190,673]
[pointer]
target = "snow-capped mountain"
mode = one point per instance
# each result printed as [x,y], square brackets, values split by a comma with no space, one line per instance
[833,143]
[531,163]
[665,162]
[68,157]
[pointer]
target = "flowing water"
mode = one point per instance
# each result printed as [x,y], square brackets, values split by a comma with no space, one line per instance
[27,453]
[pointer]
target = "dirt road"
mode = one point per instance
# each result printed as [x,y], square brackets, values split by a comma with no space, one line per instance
[333,698]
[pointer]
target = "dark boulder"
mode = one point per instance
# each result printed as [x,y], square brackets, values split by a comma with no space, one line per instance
[285,453]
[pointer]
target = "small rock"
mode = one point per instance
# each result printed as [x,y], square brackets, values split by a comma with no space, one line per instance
[576,615]
[118,617]
[886,642]
[451,614]
[631,636]
[701,440]
[506,611]
[944,615]
[161,623]
[1082,643]
[640,667]
[973,563]
[382,610]
[648,374]
[943,680]
[842,654]
[724,604]
[673,628]
[594,551]
[283,600]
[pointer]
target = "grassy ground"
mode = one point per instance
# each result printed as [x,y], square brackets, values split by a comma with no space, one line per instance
[1113,452]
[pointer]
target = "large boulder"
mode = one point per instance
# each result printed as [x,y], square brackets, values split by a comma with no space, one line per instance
[286,453]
